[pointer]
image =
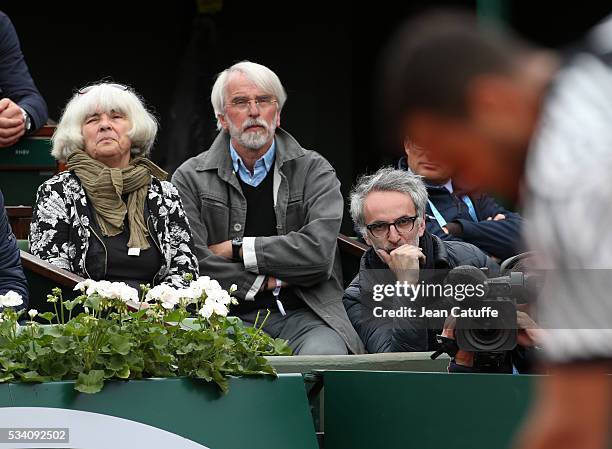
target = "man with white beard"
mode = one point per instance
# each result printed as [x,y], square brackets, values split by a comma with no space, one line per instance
[265,214]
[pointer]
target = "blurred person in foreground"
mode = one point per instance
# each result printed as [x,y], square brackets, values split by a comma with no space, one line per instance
[111,215]
[515,119]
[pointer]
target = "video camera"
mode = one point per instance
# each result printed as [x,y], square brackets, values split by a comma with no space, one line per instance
[487,322]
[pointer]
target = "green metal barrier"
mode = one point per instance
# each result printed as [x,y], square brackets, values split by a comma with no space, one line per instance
[423,411]
[23,167]
[23,245]
[257,413]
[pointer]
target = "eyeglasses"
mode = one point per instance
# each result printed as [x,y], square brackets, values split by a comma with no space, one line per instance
[243,104]
[380,229]
[84,90]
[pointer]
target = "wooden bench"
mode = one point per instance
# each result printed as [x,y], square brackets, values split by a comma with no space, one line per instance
[42,277]
[19,218]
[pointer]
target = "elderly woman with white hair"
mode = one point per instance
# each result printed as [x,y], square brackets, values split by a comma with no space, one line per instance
[111,215]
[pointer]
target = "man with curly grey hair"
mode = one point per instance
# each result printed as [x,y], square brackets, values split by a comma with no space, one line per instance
[266,213]
[388,208]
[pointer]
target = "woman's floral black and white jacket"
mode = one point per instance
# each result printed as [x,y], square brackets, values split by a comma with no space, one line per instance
[60,230]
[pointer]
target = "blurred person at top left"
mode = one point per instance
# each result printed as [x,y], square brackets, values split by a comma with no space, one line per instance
[111,215]
[22,109]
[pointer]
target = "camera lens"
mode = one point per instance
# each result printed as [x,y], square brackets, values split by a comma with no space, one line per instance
[488,339]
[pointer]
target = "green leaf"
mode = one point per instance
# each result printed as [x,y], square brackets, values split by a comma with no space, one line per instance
[281,347]
[116,362]
[33,376]
[77,329]
[47,316]
[120,344]
[204,373]
[222,382]
[6,377]
[53,330]
[124,372]
[173,316]
[9,365]
[63,344]
[54,368]
[160,341]
[93,302]
[69,305]
[91,382]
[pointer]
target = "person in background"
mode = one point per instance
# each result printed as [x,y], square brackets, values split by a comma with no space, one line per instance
[111,215]
[388,209]
[22,109]
[266,213]
[11,272]
[456,214]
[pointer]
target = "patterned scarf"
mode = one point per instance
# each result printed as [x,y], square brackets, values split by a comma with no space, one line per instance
[105,187]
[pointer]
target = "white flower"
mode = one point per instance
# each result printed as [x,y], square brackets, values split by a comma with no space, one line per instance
[202,282]
[214,285]
[106,289]
[220,309]
[196,290]
[211,306]
[122,291]
[207,310]
[84,285]
[32,313]
[221,296]
[10,299]
[166,295]
[233,288]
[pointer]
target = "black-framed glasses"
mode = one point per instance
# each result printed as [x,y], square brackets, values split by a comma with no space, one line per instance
[380,229]
[84,90]
[262,102]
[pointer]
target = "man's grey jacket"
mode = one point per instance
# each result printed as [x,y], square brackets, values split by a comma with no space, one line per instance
[308,208]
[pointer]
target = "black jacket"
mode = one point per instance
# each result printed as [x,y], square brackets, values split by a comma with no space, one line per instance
[11,273]
[501,238]
[402,334]
[61,230]
[15,80]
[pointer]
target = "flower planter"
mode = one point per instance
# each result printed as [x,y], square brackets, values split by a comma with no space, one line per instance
[256,413]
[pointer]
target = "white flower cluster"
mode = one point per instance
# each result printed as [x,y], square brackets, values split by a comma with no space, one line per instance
[10,299]
[216,300]
[204,290]
[106,289]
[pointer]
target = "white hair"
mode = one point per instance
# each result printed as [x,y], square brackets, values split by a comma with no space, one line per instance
[103,97]
[258,74]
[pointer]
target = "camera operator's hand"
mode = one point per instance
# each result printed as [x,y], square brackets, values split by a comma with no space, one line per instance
[463,358]
[403,262]
[529,333]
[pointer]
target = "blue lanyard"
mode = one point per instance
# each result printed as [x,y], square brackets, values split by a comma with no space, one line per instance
[440,219]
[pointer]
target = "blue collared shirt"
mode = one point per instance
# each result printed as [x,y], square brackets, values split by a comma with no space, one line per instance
[260,170]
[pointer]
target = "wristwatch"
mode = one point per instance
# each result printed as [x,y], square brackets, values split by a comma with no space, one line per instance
[236,245]
[26,119]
